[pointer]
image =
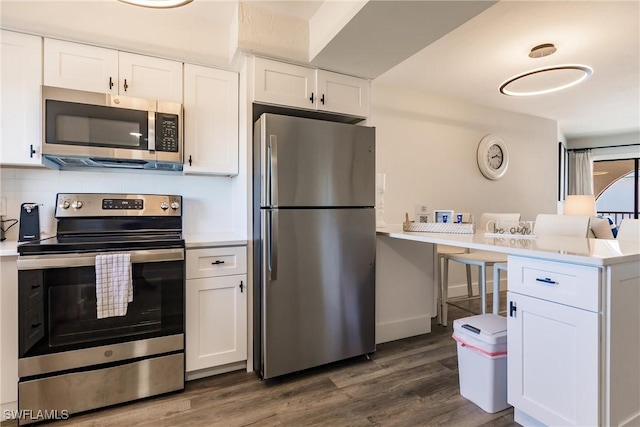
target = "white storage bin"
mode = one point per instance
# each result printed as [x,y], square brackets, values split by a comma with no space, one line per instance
[482,360]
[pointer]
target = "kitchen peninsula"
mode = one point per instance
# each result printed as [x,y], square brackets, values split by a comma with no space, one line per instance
[574,344]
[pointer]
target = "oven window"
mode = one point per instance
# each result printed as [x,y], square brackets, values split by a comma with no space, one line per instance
[72,314]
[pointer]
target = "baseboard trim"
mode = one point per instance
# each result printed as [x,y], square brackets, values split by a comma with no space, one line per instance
[404,328]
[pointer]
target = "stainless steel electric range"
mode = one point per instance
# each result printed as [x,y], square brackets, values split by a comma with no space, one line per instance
[74,355]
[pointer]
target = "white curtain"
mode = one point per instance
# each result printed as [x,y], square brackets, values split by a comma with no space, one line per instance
[581,172]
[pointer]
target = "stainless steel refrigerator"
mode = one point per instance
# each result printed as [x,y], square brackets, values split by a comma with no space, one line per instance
[314,243]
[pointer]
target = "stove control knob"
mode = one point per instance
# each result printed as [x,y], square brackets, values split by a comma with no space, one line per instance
[175,205]
[164,206]
[76,204]
[65,204]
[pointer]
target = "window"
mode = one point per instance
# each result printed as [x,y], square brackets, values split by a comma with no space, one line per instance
[616,188]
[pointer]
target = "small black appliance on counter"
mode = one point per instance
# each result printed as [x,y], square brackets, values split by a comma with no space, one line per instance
[29,222]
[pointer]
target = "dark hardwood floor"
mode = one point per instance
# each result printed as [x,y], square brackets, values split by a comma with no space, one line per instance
[409,382]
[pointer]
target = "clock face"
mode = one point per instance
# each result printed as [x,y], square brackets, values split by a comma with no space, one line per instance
[495,156]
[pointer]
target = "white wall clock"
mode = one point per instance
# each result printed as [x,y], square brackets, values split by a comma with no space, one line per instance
[493,157]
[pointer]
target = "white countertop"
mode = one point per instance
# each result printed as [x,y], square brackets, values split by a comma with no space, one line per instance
[8,248]
[209,240]
[565,249]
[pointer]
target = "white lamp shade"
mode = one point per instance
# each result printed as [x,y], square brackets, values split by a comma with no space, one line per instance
[580,205]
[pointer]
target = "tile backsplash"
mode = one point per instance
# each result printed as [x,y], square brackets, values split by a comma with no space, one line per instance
[207,201]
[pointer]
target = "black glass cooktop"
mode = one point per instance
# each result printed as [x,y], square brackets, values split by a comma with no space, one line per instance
[109,243]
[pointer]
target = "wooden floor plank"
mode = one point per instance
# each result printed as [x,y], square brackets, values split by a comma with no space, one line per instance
[409,382]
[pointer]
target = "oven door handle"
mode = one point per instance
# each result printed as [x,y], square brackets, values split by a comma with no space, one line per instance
[41,262]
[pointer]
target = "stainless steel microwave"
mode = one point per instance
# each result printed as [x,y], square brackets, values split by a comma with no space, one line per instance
[101,130]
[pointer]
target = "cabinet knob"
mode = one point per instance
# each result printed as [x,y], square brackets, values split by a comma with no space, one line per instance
[110,83]
[217,262]
[32,151]
[311,99]
[189,159]
[322,99]
[126,86]
[241,287]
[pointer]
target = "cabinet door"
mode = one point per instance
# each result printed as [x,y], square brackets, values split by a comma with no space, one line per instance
[553,361]
[21,104]
[148,77]
[81,67]
[211,121]
[342,94]
[216,321]
[284,84]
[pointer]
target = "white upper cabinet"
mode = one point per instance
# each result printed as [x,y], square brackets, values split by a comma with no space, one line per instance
[342,94]
[211,121]
[95,69]
[284,84]
[21,119]
[148,77]
[291,85]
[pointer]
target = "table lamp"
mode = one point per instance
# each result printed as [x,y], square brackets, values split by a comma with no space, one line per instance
[582,204]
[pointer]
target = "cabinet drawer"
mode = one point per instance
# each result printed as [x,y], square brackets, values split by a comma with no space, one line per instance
[568,284]
[213,262]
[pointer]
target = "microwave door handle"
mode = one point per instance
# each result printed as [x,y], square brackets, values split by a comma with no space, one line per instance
[89,259]
[151,132]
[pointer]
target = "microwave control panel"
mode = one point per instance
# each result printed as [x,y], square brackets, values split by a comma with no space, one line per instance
[167,132]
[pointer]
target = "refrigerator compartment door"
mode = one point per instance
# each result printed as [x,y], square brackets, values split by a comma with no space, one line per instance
[321,307]
[314,163]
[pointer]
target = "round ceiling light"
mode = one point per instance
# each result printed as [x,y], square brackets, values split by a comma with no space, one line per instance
[157,4]
[545,80]
[542,50]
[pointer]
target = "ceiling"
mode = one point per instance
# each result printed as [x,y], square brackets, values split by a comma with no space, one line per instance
[472,61]
[461,49]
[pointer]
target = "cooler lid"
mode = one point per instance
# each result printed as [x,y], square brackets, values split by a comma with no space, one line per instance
[489,328]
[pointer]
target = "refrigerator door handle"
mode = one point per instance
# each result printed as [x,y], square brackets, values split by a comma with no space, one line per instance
[273,170]
[273,244]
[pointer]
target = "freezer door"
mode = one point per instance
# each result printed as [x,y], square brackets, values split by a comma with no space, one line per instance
[315,163]
[318,287]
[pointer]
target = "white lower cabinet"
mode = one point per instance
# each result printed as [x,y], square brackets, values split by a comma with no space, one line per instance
[573,353]
[553,361]
[216,307]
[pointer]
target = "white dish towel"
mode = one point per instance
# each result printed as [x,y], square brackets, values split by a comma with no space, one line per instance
[114,287]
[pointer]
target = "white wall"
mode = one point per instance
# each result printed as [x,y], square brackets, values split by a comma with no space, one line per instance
[426,145]
[208,202]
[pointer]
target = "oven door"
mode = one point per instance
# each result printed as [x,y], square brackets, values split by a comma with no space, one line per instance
[58,303]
